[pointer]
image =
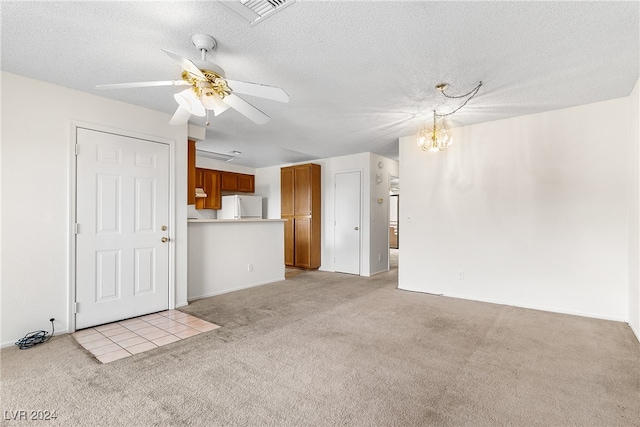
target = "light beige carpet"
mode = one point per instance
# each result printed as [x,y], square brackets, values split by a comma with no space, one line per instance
[333,349]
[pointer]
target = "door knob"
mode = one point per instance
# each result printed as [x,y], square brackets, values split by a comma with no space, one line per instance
[165,239]
[356,228]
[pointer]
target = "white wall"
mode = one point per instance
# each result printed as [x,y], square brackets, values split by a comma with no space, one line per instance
[221,252]
[379,212]
[36,174]
[268,186]
[634,210]
[532,209]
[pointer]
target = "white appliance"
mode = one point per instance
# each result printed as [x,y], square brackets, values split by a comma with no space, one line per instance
[240,207]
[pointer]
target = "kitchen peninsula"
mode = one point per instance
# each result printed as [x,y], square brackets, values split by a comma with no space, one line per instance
[228,255]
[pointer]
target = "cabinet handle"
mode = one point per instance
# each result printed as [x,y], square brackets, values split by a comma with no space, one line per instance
[356,228]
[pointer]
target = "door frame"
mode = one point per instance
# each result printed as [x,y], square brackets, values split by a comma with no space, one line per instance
[75,125]
[360,255]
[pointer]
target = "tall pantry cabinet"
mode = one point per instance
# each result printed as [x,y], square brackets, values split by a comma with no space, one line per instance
[300,207]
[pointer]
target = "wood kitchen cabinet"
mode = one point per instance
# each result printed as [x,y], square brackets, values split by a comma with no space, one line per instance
[300,196]
[214,182]
[211,182]
[239,182]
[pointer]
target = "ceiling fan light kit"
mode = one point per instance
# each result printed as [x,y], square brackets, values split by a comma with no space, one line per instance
[210,89]
[438,138]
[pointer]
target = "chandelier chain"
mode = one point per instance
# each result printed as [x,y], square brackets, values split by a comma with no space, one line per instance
[470,95]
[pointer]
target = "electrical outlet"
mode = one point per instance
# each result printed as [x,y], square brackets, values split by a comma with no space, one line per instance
[379,257]
[250,267]
[460,274]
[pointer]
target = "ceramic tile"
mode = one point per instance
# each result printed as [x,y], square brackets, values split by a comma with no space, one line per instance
[139,348]
[84,332]
[177,328]
[122,337]
[99,351]
[107,327]
[137,326]
[197,322]
[154,335]
[97,343]
[89,338]
[165,340]
[132,341]
[177,316]
[187,333]
[114,341]
[147,330]
[131,322]
[114,331]
[206,328]
[160,321]
[114,355]
[151,317]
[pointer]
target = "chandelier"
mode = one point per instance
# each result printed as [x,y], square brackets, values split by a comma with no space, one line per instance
[438,138]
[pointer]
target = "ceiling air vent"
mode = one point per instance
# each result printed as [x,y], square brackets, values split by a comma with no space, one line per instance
[256,11]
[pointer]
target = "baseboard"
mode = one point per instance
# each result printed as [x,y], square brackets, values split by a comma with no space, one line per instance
[239,288]
[378,272]
[12,343]
[635,332]
[529,307]
[184,304]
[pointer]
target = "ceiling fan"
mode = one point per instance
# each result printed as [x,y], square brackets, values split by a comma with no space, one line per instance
[209,89]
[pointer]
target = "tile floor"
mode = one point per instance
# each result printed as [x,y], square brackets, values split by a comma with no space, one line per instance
[122,339]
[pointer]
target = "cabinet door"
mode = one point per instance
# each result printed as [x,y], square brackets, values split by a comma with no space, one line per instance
[302,190]
[288,242]
[229,181]
[246,183]
[302,231]
[212,186]
[286,191]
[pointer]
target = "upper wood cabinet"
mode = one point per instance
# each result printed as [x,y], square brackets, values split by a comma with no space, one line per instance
[229,181]
[300,197]
[210,181]
[191,172]
[214,182]
[246,183]
[239,182]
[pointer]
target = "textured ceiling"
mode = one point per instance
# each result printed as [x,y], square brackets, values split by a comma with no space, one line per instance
[359,74]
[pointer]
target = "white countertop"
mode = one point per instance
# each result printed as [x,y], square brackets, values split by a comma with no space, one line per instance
[234,221]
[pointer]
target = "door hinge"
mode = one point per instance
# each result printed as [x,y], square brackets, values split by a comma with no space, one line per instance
[76,148]
[75,308]
[75,228]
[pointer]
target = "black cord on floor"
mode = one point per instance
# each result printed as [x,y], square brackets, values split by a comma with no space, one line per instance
[34,338]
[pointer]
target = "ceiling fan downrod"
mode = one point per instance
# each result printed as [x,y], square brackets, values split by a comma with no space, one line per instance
[204,43]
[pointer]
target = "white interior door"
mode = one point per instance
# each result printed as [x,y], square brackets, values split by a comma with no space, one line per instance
[122,216]
[347,222]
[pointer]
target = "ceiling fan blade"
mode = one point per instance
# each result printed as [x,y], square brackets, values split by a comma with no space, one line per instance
[255,89]
[186,64]
[246,109]
[180,117]
[143,84]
